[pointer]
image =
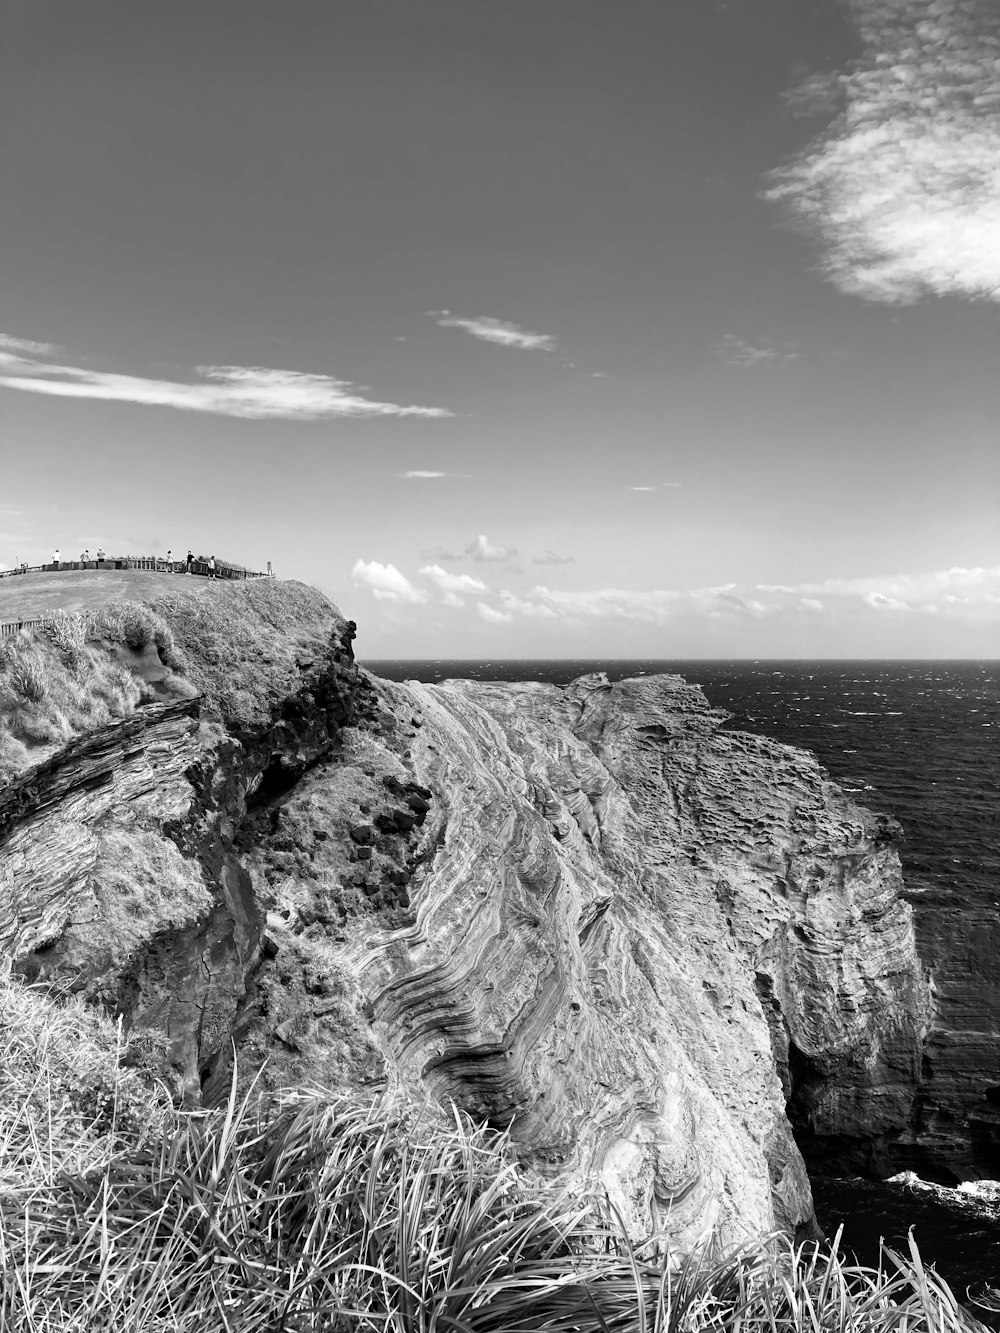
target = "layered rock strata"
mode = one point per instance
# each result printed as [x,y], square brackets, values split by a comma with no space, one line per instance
[591,915]
[636,936]
[120,868]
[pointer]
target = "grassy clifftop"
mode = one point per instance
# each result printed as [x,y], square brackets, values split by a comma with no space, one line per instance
[240,645]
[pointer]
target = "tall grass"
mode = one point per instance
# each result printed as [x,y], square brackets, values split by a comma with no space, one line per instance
[67,678]
[306,1213]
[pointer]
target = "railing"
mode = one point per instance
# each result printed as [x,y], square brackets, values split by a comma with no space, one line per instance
[8,628]
[224,569]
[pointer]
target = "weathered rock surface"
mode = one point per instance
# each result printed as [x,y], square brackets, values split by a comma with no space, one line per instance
[591,914]
[634,928]
[120,870]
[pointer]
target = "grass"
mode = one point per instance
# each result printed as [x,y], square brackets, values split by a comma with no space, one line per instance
[245,647]
[309,1213]
[81,672]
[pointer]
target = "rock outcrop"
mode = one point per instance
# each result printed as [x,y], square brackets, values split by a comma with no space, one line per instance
[592,915]
[637,936]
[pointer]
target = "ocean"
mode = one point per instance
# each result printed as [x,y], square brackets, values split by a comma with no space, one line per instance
[920,740]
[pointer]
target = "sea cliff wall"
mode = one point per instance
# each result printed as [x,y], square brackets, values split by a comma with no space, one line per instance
[593,915]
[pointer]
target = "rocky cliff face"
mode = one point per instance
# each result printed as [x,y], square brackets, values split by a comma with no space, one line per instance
[593,915]
[637,935]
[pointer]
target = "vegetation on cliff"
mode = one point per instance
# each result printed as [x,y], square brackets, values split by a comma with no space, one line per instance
[300,1212]
[240,647]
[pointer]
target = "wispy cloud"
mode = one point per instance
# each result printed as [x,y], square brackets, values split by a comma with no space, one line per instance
[902,189]
[253,392]
[418,474]
[25,345]
[551,558]
[498,331]
[386,583]
[753,356]
[658,486]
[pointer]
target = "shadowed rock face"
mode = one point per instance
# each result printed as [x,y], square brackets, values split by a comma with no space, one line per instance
[591,914]
[120,875]
[638,934]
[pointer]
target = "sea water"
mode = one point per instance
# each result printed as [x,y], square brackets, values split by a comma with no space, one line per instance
[920,740]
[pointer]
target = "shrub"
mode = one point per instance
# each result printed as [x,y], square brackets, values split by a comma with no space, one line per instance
[27,680]
[68,633]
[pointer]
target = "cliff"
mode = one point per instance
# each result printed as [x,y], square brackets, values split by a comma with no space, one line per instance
[644,942]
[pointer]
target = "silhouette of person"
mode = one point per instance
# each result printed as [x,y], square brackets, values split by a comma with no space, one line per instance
[55,557]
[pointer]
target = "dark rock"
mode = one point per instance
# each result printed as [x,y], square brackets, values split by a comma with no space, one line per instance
[364,853]
[362,834]
[268,947]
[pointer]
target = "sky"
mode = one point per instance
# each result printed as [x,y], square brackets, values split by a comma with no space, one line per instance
[520,328]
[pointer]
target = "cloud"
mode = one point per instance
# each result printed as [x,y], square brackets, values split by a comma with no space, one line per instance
[26,345]
[738,352]
[660,486]
[969,594]
[418,474]
[252,392]
[551,558]
[483,549]
[902,189]
[493,617]
[386,583]
[642,488]
[452,583]
[497,331]
[514,605]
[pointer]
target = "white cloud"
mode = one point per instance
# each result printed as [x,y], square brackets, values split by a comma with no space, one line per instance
[642,488]
[514,605]
[492,617]
[386,583]
[552,558]
[497,331]
[26,345]
[739,352]
[902,189]
[969,594]
[483,549]
[419,474]
[253,392]
[452,583]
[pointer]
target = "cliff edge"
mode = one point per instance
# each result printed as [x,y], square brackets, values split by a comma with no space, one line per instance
[645,943]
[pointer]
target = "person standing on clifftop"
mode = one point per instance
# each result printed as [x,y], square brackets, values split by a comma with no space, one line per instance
[211,566]
[190,561]
[170,560]
[55,558]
